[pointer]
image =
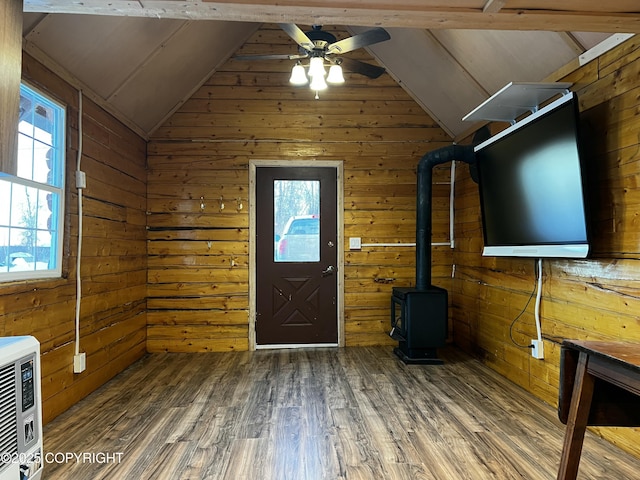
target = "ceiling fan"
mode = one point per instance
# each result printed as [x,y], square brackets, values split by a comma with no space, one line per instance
[321,46]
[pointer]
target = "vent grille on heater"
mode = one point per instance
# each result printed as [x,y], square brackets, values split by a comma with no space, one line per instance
[8,422]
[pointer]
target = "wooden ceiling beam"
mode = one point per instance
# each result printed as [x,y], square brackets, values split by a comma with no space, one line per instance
[430,14]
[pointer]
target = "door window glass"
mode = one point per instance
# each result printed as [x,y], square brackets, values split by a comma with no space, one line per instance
[296,217]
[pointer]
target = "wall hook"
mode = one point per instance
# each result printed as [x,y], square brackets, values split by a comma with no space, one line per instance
[221,203]
[202,205]
[240,206]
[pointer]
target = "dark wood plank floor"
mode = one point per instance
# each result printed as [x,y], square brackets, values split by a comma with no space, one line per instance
[354,413]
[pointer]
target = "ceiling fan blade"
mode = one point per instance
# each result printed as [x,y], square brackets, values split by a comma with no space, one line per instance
[366,69]
[269,57]
[298,35]
[375,35]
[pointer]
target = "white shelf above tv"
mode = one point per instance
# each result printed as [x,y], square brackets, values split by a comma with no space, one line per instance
[516,99]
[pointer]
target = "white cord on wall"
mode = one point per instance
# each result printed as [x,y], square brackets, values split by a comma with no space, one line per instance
[80,184]
[538,297]
[539,348]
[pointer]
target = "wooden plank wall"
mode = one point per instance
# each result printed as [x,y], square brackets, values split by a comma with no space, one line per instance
[113,311]
[198,257]
[10,51]
[598,298]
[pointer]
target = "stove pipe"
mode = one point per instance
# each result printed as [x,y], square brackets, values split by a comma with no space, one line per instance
[463,153]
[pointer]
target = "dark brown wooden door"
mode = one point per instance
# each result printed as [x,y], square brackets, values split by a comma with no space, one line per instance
[296,257]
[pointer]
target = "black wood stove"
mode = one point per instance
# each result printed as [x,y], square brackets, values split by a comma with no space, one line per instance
[419,323]
[419,316]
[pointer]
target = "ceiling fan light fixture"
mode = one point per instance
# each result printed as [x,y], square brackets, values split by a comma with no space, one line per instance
[322,47]
[316,68]
[298,75]
[335,75]
[318,83]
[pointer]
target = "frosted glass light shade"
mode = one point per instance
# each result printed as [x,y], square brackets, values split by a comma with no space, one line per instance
[335,74]
[318,83]
[298,76]
[316,67]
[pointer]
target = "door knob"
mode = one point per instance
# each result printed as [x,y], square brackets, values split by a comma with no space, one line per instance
[328,271]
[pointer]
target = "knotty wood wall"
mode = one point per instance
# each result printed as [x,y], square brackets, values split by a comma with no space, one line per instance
[113,311]
[198,257]
[598,298]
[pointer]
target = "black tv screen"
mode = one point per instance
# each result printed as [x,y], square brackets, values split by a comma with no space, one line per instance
[531,180]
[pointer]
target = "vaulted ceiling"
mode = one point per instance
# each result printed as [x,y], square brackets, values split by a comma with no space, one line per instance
[142,59]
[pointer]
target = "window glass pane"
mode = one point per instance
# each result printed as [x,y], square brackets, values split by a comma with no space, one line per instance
[33,235]
[54,205]
[25,157]
[25,123]
[24,206]
[54,166]
[43,211]
[5,201]
[296,220]
[31,202]
[41,141]
[43,117]
[4,249]
[42,164]
[43,258]
[20,252]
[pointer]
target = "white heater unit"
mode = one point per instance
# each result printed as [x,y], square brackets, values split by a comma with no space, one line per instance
[21,456]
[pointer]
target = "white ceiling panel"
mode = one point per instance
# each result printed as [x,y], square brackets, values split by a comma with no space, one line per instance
[102,52]
[430,75]
[495,58]
[160,85]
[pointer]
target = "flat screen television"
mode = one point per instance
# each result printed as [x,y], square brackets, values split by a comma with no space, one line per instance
[532,186]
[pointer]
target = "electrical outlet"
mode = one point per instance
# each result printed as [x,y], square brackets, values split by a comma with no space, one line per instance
[538,349]
[79,362]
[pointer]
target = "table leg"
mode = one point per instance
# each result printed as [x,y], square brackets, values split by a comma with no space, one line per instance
[577,421]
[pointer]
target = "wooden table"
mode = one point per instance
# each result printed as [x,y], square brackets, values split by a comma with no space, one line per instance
[599,385]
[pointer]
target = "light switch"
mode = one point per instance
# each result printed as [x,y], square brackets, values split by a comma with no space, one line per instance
[355,243]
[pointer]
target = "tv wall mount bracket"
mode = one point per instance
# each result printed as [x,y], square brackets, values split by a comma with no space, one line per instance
[515,100]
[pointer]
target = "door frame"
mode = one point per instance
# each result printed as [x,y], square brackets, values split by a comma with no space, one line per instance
[338,165]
